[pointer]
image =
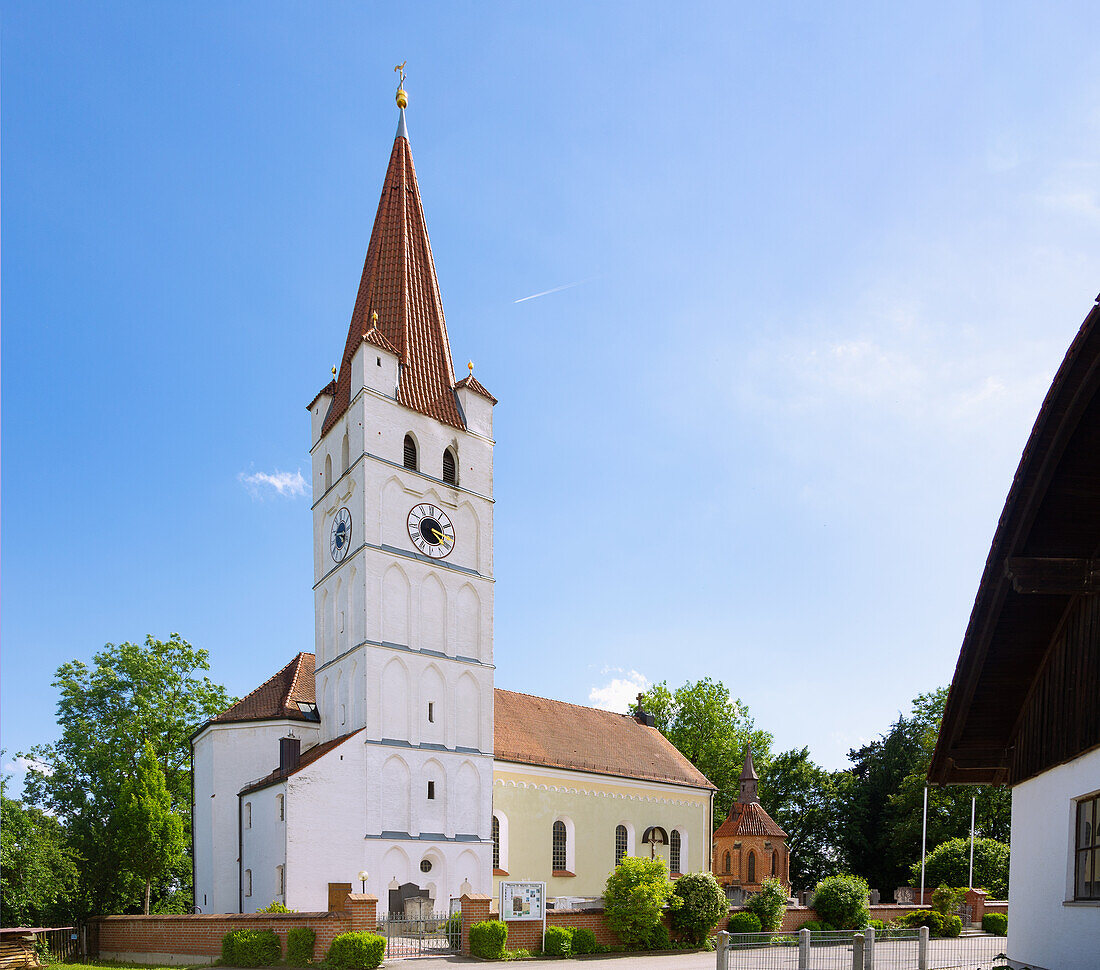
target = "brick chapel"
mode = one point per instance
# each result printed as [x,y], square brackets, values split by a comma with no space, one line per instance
[748,846]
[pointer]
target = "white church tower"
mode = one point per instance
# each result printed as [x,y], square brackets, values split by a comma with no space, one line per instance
[403,563]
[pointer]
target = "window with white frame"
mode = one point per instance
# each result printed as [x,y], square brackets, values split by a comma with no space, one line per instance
[280,880]
[280,813]
[674,851]
[248,882]
[500,841]
[248,815]
[560,847]
[1086,860]
[620,843]
[496,842]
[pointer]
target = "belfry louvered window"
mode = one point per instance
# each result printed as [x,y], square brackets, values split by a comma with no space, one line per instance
[410,452]
[674,851]
[559,856]
[620,843]
[450,471]
[496,842]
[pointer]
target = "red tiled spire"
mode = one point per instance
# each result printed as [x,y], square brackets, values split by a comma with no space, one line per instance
[400,285]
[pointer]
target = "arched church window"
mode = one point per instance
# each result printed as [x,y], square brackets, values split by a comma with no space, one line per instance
[328,472]
[410,452]
[620,843]
[726,863]
[559,854]
[344,454]
[450,468]
[674,851]
[752,866]
[496,842]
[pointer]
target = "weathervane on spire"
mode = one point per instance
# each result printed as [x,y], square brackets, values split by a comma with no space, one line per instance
[402,97]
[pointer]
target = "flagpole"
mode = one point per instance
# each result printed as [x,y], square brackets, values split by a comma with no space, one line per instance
[923,844]
[973,802]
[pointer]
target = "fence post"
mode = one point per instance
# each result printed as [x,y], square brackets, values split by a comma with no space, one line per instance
[857,951]
[922,949]
[803,950]
[722,950]
[869,949]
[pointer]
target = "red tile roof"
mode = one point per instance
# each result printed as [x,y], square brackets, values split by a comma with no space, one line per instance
[528,730]
[307,757]
[748,818]
[476,386]
[278,696]
[400,285]
[375,337]
[538,731]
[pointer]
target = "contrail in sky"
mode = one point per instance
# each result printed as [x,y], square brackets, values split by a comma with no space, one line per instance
[556,289]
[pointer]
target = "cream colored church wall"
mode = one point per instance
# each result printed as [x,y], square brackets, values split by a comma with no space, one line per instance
[531,799]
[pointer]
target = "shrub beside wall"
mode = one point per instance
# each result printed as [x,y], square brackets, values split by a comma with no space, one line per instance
[842,901]
[487,939]
[299,946]
[251,948]
[744,922]
[356,951]
[995,923]
[558,941]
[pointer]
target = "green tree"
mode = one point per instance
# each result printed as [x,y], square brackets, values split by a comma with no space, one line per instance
[949,864]
[38,868]
[634,896]
[842,901]
[702,905]
[803,799]
[148,834]
[131,693]
[769,904]
[710,729]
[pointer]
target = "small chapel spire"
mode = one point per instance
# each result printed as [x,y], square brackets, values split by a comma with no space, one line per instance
[749,779]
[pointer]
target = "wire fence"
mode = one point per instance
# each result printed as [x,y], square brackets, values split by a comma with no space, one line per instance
[889,949]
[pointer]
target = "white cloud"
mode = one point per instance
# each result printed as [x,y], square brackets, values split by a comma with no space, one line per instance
[287,484]
[620,692]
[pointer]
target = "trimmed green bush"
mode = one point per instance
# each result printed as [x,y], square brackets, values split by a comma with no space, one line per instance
[842,901]
[702,905]
[949,862]
[356,951]
[946,900]
[995,923]
[744,922]
[487,939]
[952,924]
[584,940]
[251,948]
[923,917]
[770,903]
[299,946]
[558,941]
[634,898]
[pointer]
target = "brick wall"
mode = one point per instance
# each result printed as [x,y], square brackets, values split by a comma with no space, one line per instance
[175,939]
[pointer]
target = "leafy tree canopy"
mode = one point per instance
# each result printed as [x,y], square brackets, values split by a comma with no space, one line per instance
[711,730]
[130,694]
[949,864]
[38,868]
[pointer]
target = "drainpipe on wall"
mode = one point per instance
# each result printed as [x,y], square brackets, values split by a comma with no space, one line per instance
[194,865]
[710,833]
[240,858]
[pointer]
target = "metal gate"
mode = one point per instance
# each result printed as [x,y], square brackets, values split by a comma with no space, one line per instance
[429,935]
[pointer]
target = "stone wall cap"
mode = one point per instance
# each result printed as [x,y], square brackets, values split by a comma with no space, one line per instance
[475,897]
[363,897]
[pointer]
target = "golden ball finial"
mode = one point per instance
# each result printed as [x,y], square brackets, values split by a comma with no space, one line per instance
[333,371]
[470,367]
[374,318]
[402,98]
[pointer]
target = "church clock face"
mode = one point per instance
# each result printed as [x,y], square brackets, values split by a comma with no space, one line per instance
[431,531]
[339,540]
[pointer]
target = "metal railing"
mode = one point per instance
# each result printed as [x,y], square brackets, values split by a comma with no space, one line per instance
[432,934]
[888,949]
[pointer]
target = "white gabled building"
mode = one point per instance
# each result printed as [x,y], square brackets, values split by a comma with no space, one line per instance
[1024,705]
[375,753]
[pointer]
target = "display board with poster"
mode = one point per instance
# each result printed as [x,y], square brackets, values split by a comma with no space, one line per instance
[523,900]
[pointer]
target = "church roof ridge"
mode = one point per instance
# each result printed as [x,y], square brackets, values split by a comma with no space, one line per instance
[749,818]
[476,386]
[399,284]
[307,757]
[275,697]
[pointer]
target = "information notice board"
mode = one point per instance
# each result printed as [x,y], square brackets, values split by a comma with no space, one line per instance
[523,900]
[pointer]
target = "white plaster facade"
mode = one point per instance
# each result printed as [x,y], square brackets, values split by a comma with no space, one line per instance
[226,758]
[1047,930]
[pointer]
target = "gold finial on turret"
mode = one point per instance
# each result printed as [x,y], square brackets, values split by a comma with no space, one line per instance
[374,318]
[402,96]
[334,373]
[470,368]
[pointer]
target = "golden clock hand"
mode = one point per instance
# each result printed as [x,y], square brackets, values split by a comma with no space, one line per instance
[440,536]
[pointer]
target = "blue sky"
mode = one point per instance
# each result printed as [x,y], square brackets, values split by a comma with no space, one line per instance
[827,259]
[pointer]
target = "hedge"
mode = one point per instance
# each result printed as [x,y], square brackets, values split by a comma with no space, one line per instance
[584,940]
[251,948]
[356,951]
[299,946]
[995,923]
[558,941]
[744,922]
[487,939]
